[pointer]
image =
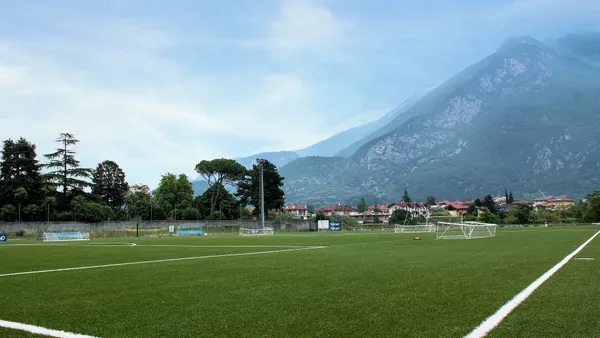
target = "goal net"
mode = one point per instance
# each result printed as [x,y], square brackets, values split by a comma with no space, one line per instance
[66,232]
[466,230]
[192,229]
[414,228]
[259,231]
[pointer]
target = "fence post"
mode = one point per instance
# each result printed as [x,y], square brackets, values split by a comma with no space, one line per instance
[137,227]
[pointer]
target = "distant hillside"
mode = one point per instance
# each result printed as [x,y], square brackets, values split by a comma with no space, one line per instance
[524,118]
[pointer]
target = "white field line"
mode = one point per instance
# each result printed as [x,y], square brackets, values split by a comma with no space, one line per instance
[40,330]
[491,322]
[165,245]
[158,261]
[584,258]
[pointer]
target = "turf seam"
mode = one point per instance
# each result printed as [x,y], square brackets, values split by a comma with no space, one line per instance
[494,320]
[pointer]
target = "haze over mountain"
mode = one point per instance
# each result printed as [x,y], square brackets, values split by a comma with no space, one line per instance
[524,118]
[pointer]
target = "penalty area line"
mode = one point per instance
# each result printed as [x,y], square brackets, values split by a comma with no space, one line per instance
[492,321]
[159,261]
[41,330]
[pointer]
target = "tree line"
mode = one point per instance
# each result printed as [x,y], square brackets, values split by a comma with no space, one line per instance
[60,189]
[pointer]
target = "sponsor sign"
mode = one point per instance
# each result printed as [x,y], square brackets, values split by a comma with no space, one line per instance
[3,238]
[335,226]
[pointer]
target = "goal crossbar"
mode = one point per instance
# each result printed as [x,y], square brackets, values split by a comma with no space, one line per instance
[466,230]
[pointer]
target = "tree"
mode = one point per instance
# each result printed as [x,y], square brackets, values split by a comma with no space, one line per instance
[20,170]
[592,210]
[511,199]
[400,215]
[8,212]
[174,193]
[226,205]
[139,203]
[489,203]
[68,175]
[478,203]
[486,216]
[506,195]
[405,197]
[523,213]
[220,171]
[249,187]
[362,205]
[31,210]
[430,200]
[109,184]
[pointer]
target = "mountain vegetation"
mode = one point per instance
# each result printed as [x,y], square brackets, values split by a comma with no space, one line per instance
[524,116]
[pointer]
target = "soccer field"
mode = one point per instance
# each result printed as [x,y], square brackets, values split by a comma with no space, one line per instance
[343,284]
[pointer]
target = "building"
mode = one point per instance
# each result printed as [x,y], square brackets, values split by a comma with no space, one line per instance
[561,203]
[416,209]
[300,211]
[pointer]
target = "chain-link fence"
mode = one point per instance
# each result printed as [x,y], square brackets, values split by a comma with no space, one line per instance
[35,230]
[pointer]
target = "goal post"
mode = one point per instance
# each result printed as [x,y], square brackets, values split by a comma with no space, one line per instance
[256,231]
[414,228]
[466,230]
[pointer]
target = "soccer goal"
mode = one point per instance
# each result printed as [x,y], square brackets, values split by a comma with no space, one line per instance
[66,236]
[466,230]
[254,232]
[193,229]
[66,232]
[414,228]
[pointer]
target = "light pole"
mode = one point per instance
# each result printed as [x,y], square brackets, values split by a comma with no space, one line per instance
[262,195]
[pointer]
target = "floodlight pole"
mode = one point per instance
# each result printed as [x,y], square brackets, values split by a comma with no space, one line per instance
[262,195]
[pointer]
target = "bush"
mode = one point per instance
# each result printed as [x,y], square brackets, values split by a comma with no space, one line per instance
[20,233]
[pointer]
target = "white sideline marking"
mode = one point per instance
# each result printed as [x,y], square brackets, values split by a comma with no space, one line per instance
[77,245]
[584,258]
[40,330]
[492,321]
[158,261]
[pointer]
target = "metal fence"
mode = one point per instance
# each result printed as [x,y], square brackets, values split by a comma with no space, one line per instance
[35,230]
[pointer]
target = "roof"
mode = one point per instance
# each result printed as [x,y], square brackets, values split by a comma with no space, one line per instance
[295,207]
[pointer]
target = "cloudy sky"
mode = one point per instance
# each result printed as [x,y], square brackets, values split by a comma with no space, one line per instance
[159,85]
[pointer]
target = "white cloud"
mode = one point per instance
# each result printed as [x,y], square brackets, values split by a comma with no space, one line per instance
[307,26]
[127,103]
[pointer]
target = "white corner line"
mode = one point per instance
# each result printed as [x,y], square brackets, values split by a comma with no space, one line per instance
[41,330]
[492,321]
[159,261]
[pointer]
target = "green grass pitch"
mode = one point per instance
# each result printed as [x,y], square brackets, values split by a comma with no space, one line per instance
[347,284]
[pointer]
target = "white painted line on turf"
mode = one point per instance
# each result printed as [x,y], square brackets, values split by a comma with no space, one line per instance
[584,258]
[492,321]
[65,244]
[159,261]
[41,330]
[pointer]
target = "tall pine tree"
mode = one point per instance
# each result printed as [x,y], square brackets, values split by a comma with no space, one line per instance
[67,174]
[406,198]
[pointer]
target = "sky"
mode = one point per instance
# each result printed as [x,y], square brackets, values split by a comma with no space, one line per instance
[157,86]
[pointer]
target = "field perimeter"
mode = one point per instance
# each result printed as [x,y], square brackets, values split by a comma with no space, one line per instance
[348,284]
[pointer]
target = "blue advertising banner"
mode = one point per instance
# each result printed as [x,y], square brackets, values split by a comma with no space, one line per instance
[335,226]
[3,238]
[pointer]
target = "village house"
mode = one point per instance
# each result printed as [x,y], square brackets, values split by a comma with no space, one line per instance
[300,211]
[416,209]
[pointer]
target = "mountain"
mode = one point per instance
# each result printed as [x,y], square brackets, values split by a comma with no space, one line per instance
[388,122]
[581,45]
[347,142]
[279,158]
[524,118]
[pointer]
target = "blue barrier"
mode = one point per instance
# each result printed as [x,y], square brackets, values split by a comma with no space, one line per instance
[3,238]
[190,232]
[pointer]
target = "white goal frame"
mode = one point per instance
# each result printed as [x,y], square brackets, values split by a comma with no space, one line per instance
[66,236]
[414,228]
[256,232]
[448,230]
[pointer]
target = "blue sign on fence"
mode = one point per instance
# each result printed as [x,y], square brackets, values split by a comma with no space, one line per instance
[335,226]
[3,238]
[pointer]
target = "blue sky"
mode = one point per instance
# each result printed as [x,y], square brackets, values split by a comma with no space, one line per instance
[158,86]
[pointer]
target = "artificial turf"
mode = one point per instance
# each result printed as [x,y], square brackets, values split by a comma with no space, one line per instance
[372,284]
